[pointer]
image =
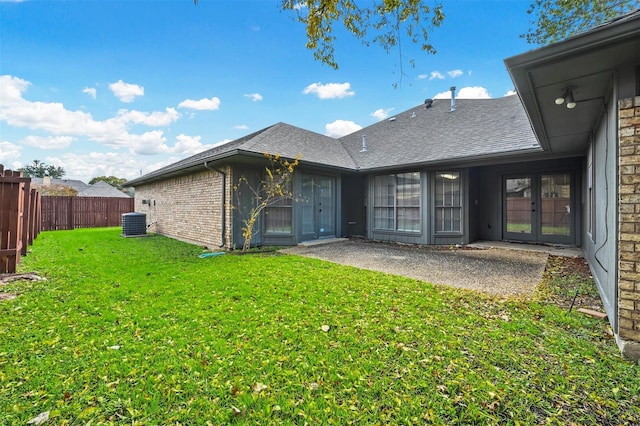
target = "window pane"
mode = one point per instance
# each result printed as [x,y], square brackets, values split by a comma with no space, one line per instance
[556,204]
[397,202]
[384,190]
[409,219]
[518,205]
[408,189]
[448,202]
[383,218]
[278,217]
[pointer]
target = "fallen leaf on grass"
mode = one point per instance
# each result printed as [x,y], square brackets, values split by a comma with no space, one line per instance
[39,419]
[258,387]
[325,328]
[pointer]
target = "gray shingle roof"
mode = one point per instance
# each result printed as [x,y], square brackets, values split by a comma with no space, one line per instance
[478,128]
[98,189]
[281,138]
[102,189]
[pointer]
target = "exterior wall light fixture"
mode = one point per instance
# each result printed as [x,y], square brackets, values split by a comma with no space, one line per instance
[567,97]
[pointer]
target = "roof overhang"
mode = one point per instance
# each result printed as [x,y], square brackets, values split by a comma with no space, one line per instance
[235,156]
[587,63]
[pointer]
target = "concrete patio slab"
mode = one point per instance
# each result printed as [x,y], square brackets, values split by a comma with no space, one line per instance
[495,271]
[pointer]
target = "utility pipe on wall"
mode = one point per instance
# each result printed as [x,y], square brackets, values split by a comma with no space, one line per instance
[224,200]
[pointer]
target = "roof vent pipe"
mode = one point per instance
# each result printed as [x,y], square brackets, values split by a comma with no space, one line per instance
[453,98]
[364,143]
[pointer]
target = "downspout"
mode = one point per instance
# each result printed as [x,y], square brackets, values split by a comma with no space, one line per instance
[224,200]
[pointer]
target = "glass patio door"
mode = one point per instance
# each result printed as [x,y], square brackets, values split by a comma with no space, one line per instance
[318,207]
[537,208]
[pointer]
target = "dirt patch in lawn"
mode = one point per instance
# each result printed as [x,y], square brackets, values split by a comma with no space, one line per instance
[6,296]
[7,278]
[568,281]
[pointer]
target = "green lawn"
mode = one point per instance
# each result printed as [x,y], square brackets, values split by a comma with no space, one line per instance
[143,331]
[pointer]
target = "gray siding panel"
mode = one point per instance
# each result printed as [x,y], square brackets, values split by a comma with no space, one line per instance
[600,246]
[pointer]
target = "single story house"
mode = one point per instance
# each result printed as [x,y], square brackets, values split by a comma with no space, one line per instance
[558,163]
[98,189]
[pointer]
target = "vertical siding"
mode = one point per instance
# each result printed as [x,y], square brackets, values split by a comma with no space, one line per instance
[599,246]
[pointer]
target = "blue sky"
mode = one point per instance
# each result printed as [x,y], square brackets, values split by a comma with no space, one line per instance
[125,87]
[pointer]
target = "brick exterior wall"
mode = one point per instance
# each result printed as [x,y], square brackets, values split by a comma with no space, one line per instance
[189,207]
[629,220]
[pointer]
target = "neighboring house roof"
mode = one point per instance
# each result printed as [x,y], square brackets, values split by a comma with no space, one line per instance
[98,189]
[478,128]
[78,185]
[102,189]
[584,63]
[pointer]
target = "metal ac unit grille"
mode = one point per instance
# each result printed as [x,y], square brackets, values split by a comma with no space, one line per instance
[134,224]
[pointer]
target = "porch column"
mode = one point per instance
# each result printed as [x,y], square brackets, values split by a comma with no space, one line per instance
[628,334]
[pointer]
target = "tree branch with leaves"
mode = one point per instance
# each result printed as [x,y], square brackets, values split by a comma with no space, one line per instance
[383,23]
[39,169]
[555,20]
[273,186]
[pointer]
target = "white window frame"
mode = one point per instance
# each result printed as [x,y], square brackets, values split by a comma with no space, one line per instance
[402,207]
[449,209]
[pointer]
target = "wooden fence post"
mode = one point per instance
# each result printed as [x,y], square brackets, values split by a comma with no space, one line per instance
[16,214]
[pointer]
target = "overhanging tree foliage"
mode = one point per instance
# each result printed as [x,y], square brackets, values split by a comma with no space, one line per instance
[555,20]
[383,22]
[386,23]
[116,182]
[274,186]
[39,169]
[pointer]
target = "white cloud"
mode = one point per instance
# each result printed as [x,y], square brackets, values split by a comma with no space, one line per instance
[203,104]
[255,97]
[189,145]
[436,75]
[91,91]
[241,127]
[120,164]
[471,92]
[340,128]
[511,93]
[126,92]
[381,114]
[11,89]
[54,118]
[9,152]
[455,73]
[49,142]
[153,119]
[329,90]
[148,143]
[422,76]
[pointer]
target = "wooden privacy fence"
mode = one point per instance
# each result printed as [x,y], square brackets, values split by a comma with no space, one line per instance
[555,211]
[20,221]
[83,212]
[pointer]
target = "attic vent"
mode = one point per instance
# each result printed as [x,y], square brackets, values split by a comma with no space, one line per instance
[134,224]
[392,119]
